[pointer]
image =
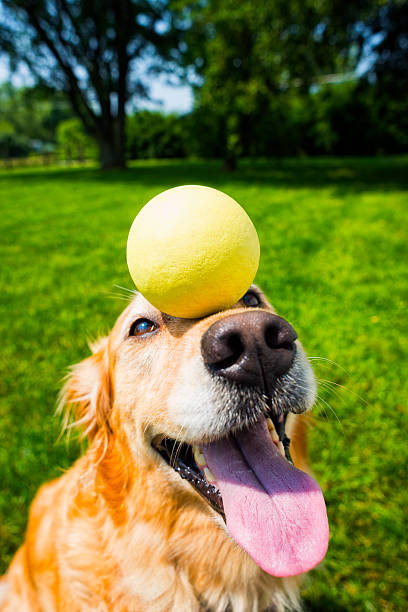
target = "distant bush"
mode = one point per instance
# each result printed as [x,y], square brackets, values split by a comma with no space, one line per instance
[28,120]
[152,134]
[11,144]
[73,142]
[349,118]
[357,117]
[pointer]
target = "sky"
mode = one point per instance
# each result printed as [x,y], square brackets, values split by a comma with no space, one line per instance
[174,98]
[164,97]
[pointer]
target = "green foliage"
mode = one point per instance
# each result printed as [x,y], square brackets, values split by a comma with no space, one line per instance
[354,117]
[358,118]
[155,135]
[73,142]
[350,118]
[391,53]
[29,119]
[11,143]
[333,261]
[251,55]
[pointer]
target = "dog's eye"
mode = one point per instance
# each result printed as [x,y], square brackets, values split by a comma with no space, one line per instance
[250,299]
[141,327]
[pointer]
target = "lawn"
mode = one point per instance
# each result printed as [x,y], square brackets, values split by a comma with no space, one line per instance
[333,261]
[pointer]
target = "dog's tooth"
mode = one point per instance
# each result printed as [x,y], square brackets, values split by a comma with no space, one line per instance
[272,431]
[275,437]
[209,475]
[198,456]
[270,425]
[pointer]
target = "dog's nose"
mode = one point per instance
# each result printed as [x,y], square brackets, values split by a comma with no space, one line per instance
[252,348]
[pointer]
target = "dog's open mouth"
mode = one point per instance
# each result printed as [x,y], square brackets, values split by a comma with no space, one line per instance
[273,510]
[189,462]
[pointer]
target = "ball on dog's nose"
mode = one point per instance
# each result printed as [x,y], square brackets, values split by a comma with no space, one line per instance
[192,251]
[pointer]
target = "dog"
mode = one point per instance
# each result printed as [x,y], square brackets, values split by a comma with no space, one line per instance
[186,499]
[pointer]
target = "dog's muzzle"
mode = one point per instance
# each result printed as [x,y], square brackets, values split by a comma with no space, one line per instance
[251,348]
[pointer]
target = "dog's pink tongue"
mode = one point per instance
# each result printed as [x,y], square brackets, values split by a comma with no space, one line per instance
[273,510]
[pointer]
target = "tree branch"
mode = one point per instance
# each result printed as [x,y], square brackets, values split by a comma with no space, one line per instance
[76,96]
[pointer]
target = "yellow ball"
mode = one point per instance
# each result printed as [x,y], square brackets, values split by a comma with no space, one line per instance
[192,251]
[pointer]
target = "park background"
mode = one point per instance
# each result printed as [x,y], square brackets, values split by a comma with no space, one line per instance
[298,110]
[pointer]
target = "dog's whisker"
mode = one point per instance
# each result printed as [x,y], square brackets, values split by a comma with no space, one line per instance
[123,294]
[132,291]
[321,412]
[177,453]
[331,409]
[118,296]
[173,457]
[343,388]
[332,390]
[154,413]
[178,448]
[330,361]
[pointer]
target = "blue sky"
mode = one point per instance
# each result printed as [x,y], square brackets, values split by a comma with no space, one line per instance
[165,97]
[174,98]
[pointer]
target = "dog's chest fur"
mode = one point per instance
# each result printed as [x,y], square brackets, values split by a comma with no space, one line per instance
[165,552]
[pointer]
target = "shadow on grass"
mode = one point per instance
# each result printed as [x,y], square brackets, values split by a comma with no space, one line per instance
[352,173]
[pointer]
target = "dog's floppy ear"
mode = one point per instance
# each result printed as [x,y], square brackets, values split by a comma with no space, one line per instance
[86,397]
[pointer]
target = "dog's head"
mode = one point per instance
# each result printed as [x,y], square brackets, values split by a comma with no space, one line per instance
[206,401]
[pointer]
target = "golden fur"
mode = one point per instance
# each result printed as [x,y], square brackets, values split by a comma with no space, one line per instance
[120,531]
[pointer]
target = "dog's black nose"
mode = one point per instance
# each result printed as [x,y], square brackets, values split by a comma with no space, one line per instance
[251,348]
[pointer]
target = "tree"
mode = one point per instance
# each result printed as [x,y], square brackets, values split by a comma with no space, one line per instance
[384,87]
[391,52]
[252,55]
[90,49]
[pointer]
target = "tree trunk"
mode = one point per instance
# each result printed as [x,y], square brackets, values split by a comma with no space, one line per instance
[112,146]
[232,142]
[229,162]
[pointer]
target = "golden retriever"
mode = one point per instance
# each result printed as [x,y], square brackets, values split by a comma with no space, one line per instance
[184,500]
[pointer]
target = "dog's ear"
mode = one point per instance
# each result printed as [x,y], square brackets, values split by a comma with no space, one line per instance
[86,397]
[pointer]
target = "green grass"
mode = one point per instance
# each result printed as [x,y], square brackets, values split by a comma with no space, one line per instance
[333,259]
